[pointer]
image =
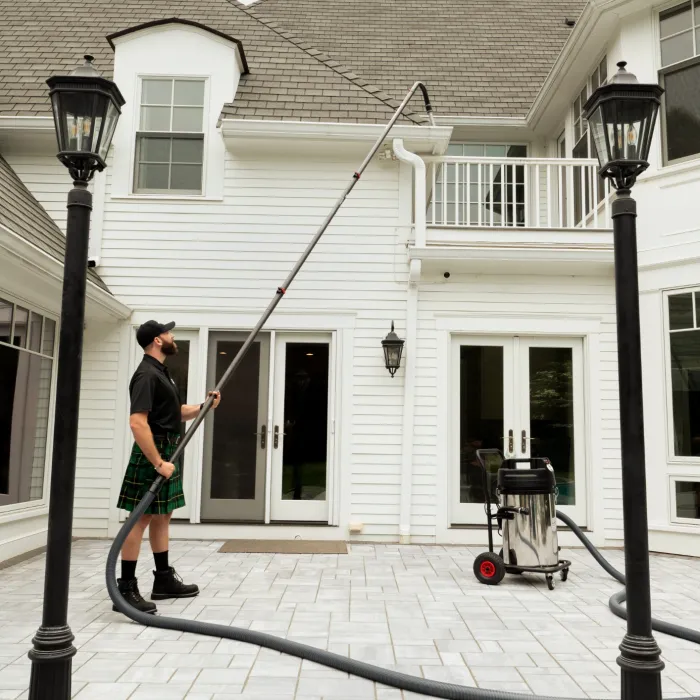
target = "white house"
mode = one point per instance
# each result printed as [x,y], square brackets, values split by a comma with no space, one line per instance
[486,239]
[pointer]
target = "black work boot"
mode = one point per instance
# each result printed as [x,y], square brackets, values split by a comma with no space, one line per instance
[130,593]
[167,584]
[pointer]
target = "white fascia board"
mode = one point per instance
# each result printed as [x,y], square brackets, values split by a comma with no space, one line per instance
[27,123]
[231,129]
[598,18]
[52,268]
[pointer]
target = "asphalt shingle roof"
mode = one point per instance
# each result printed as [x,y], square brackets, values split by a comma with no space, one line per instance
[25,217]
[477,58]
[286,80]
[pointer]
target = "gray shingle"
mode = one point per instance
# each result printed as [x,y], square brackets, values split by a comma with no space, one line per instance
[53,35]
[475,56]
[25,217]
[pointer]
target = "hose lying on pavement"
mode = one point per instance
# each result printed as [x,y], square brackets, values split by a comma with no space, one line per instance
[414,684]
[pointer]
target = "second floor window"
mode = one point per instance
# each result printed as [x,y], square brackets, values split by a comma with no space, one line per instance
[680,77]
[170,138]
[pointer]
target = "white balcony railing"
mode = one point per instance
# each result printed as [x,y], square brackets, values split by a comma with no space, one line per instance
[516,192]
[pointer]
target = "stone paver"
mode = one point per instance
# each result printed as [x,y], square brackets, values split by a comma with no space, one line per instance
[415,609]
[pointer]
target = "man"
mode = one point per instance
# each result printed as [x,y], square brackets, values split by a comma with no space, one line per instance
[156,416]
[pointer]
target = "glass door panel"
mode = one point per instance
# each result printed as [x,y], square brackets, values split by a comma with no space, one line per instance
[236,435]
[300,434]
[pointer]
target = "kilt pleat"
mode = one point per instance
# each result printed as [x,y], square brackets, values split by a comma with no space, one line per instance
[140,474]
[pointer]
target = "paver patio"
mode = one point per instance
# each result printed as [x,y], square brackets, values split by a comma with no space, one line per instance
[414,609]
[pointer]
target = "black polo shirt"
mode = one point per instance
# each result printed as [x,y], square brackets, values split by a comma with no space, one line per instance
[153,391]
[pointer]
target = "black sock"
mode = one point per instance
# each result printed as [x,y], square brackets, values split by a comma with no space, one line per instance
[128,570]
[161,559]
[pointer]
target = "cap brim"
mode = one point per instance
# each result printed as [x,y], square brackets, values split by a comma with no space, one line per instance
[168,326]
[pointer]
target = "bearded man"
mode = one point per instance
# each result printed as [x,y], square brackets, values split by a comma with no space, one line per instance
[156,416]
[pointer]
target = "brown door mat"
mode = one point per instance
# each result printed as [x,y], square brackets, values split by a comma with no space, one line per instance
[284,547]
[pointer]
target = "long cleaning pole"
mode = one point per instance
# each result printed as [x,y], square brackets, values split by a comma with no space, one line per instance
[158,483]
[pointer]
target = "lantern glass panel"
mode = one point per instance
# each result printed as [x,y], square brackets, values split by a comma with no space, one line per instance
[108,132]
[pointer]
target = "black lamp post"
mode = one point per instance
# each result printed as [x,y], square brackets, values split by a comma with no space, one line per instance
[393,347]
[622,115]
[86,108]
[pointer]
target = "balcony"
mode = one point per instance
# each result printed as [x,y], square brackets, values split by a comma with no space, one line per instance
[517,213]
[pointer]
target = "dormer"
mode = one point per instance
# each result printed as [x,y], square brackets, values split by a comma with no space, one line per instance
[176,75]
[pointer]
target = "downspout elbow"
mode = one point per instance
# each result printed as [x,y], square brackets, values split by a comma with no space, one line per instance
[419,203]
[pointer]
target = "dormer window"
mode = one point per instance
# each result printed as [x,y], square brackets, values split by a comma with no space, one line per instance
[170,137]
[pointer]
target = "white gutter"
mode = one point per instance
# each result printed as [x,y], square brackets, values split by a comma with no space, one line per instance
[419,203]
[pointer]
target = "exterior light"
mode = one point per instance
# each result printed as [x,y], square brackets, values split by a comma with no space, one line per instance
[622,114]
[393,347]
[86,108]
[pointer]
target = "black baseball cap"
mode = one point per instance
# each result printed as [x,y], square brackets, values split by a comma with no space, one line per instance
[150,330]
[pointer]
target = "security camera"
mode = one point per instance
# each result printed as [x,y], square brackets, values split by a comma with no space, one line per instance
[92,262]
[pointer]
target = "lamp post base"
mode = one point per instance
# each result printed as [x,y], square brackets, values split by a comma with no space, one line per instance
[52,663]
[640,660]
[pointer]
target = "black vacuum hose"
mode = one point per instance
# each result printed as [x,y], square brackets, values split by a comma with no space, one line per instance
[403,681]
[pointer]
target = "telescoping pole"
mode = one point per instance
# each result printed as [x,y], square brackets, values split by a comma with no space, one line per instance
[158,483]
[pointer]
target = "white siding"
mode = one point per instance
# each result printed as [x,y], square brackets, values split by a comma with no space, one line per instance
[96,438]
[232,256]
[514,295]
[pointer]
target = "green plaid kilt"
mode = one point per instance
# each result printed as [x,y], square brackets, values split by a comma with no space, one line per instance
[140,474]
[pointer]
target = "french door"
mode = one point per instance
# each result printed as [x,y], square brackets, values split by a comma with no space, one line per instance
[523,396]
[267,447]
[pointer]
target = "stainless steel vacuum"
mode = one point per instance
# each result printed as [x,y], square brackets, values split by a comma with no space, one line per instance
[525,515]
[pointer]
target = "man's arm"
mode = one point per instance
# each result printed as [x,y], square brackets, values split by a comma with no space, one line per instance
[190,412]
[138,422]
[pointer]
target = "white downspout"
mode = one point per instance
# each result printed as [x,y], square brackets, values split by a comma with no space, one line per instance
[418,166]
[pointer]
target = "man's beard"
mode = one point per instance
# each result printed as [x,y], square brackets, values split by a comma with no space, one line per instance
[169,348]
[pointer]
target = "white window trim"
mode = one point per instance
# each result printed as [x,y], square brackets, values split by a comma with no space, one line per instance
[132,194]
[17,511]
[673,518]
[664,163]
[668,386]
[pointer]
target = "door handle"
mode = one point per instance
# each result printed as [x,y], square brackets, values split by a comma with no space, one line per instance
[263,436]
[511,444]
[277,436]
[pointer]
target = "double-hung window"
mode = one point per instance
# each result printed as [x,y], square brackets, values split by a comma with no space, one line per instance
[679,29]
[170,137]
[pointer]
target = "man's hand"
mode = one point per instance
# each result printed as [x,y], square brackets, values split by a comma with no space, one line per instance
[166,469]
[217,398]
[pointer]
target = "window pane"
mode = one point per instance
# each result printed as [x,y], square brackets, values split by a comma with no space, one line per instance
[35,335]
[157,92]
[603,70]
[21,327]
[25,388]
[688,499]
[187,150]
[680,311]
[697,309]
[155,118]
[517,151]
[154,150]
[594,81]
[187,119]
[49,336]
[454,149]
[189,92]
[682,100]
[153,177]
[677,48]
[675,20]
[473,149]
[685,386]
[5,320]
[495,151]
[186,177]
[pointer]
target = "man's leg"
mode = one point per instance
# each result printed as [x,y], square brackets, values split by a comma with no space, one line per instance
[167,583]
[130,553]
